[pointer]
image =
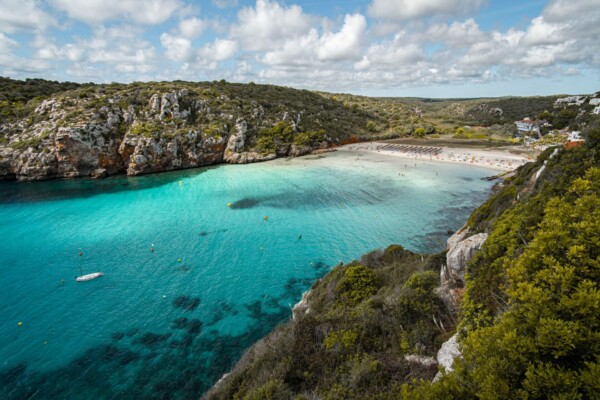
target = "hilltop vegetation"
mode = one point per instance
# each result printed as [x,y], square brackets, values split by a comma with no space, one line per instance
[529,320]
[341,117]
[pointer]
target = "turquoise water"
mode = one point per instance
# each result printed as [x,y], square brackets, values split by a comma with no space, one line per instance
[168,323]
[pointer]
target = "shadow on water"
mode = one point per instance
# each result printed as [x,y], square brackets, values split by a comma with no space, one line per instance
[30,192]
[181,363]
[370,194]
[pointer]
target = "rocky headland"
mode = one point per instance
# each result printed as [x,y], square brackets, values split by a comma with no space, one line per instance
[96,136]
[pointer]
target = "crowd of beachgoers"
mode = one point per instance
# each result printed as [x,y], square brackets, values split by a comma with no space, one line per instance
[496,159]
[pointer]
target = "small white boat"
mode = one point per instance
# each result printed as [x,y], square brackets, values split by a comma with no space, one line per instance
[89,277]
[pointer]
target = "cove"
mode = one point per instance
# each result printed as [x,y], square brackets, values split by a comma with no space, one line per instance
[234,248]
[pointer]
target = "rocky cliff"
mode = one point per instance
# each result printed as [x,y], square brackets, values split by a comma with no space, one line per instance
[143,128]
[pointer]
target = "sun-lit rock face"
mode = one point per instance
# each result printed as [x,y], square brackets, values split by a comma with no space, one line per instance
[135,131]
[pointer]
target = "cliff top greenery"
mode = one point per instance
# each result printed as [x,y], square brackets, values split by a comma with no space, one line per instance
[336,117]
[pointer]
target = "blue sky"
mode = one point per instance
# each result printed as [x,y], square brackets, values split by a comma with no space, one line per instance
[432,48]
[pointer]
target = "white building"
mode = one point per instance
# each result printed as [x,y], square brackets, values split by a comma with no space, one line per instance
[594,102]
[527,125]
[570,101]
[575,136]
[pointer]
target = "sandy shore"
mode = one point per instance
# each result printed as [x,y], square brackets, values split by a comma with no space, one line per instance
[496,159]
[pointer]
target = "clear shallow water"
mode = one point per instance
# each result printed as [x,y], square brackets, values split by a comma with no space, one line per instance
[168,323]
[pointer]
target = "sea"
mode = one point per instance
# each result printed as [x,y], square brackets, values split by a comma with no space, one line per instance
[198,264]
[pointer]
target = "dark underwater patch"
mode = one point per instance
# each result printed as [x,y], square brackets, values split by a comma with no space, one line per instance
[245,203]
[116,336]
[194,326]
[187,303]
[151,340]
[179,323]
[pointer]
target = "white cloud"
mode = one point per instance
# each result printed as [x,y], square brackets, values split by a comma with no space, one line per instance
[410,9]
[457,34]
[269,24]
[312,50]
[219,50]
[176,48]
[391,54]
[18,15]
[191,28]
[542,32]
[149,12]
[7,44]
[562,10]
[346,43]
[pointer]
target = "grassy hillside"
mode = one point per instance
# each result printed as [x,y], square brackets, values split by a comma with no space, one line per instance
[341,117]
[529,320]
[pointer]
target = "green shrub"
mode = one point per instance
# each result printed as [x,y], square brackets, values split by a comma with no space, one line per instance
[268,137]
[357,284]
[309,138]
[340,340]
[272,390]
[146,129]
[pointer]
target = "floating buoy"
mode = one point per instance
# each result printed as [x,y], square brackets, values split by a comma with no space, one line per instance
[20,323]
[261,248]
[228,204]
[80,253]
[266,217]
[179,260]
[152,247]
[45,342]
[180,183]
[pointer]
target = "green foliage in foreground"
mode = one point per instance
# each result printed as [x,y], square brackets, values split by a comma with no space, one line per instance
[364,318]
[532,308]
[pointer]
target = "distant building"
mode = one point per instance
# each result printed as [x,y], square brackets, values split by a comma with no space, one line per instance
[575,136]
[570,101]
[527,125]
[596,110]
[594,102]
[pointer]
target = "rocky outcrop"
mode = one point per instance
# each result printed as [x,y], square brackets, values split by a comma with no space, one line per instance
[234,152]
[100,135]
[142,155]
[302,307]
[446,355]
[458,255]
[461,248]
[423,360]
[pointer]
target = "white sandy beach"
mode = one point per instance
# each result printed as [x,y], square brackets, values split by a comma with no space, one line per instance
[498,160]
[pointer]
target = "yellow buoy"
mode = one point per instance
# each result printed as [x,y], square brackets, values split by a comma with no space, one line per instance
[20,323]
[228,204]
[179,260]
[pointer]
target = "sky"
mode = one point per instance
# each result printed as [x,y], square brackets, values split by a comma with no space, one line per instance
[424,48]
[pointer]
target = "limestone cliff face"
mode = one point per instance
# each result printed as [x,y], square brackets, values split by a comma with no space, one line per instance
[97,136]
[461,248]
[234,152]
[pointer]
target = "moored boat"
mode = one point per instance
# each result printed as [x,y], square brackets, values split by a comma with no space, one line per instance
[89,277]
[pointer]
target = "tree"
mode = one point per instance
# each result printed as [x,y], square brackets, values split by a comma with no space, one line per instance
[419,132]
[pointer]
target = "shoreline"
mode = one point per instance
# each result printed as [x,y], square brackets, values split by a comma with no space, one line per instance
[494,159]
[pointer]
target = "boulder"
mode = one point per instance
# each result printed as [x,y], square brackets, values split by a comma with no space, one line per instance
[446,355]
[458,255]
[302,307]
